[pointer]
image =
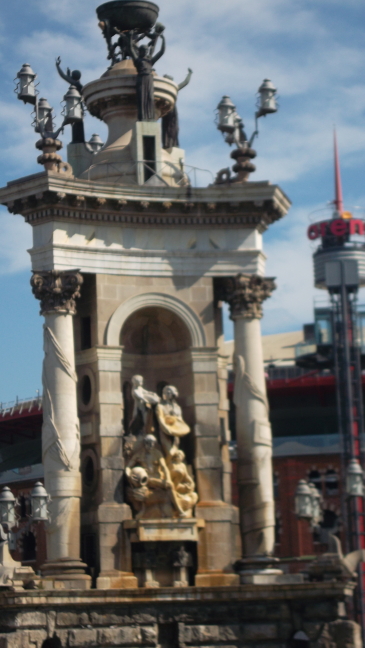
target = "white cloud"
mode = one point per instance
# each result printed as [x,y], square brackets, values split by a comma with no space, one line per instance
[15,240]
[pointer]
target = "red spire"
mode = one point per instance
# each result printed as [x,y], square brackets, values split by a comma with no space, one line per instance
[338,202]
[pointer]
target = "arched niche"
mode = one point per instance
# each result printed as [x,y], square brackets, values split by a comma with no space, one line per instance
[155,300]
[156,344]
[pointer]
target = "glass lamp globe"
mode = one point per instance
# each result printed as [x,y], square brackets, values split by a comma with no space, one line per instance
[73,106]
[39,498]
[354,479]
[303,501]
[7,507]
[226,115]
[267,99]
[26,88]
[44,111]
[95,143]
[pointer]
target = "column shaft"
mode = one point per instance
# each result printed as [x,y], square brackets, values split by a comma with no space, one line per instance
[61,438]
[254,453]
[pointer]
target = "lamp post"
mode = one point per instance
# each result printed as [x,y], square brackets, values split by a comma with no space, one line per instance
[43,124]
[303,501]
[7,508]
[39,502]
[230,123]
[354,479]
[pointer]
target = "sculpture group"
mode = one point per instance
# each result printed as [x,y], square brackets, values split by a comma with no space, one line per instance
[159,482]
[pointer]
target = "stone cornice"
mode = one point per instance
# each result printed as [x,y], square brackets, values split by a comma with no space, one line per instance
[46,196]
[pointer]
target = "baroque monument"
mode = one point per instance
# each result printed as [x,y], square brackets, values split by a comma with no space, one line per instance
[132,265]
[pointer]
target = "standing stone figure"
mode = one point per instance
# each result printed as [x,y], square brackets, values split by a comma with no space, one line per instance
[170,121]
[144,62]
[171,423]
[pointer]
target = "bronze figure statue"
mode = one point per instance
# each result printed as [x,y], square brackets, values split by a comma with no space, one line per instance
[170,121]
[73,78]
[144,61]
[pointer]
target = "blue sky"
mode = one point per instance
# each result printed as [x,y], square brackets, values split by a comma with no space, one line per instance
[311,49]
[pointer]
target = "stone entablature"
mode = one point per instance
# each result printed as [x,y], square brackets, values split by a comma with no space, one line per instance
[46,196]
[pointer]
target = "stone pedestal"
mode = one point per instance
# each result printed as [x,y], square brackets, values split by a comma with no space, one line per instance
[60,432]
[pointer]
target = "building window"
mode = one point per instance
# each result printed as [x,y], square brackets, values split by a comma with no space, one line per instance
[85,331]
[29,547]
[315,478]
[331,481]
[328,526]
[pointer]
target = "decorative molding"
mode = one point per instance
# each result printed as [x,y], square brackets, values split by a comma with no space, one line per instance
[56,290]
[245,294]
[182,310]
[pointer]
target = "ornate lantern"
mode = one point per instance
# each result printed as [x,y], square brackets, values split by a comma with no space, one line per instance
[317,514]
[73,106]
[227,115]
[354,479]
[7,507]
[267,100]
[44,111]
[39,498]
[25,87]
[303,501]
[95,143]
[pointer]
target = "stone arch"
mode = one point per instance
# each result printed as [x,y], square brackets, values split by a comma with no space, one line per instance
[162,300]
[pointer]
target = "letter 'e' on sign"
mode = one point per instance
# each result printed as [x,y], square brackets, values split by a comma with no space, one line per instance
[338,227]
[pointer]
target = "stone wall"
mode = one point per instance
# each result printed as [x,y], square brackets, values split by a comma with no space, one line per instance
[228,617]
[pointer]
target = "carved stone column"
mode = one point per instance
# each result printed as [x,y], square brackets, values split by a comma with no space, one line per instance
[245,295]
[57,292]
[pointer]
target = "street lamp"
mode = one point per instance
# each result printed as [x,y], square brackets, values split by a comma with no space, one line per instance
[354,479]
[39,501]
[7,507]
[73,111]
[230,123]
[43,123]
[303,501]
[267,103]
[25,87]
[95,143]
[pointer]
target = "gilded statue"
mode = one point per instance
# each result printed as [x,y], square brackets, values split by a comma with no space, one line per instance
[158,497]
[159,483]
[171,423]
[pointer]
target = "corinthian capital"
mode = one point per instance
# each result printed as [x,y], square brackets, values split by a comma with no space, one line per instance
[245,294]
[56,290]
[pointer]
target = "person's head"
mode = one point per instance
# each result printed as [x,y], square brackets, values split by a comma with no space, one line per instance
[143,51]
[178,456]
[149,442]
[137,381]
[76,75]
[169,393]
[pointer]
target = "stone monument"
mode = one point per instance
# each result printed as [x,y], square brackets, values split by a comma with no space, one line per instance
[131,265]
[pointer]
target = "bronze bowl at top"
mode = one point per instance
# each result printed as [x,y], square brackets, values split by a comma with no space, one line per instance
[129,14]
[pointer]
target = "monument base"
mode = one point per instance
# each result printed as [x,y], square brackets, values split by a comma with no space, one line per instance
[116,580]
[65,574]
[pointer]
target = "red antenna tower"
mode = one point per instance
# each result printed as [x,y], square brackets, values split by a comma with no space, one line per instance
[338,201]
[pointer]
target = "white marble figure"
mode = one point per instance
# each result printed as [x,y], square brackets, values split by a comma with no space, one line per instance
[143,400]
